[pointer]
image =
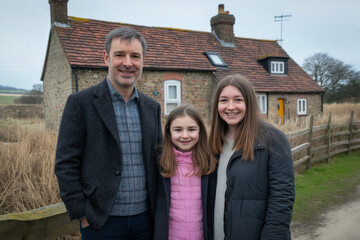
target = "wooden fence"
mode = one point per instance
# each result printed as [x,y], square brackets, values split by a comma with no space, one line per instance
[320,143]
[312,145]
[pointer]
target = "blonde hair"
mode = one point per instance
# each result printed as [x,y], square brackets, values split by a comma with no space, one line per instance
[247,130]
[202,159]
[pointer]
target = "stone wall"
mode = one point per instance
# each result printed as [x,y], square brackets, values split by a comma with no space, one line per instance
[56,82]
[290,106]
[196,88]
[87,77]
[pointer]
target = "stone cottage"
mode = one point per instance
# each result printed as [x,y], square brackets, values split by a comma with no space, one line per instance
[181,66]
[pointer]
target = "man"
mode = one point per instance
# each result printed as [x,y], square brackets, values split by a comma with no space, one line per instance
[106,151]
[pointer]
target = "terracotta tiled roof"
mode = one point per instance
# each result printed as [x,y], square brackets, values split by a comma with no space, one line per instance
[182,50]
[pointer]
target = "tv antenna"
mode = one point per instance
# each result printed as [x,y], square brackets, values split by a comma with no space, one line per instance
[281,19]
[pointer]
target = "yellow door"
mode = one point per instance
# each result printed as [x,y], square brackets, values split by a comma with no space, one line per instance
[281,110]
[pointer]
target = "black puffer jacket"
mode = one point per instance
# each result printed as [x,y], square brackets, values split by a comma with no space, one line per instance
[260,193]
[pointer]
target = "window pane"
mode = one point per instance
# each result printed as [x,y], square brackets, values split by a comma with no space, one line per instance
[170,107]
[216,59]
[303,106]
[263,104]
[277,67]
[172,92]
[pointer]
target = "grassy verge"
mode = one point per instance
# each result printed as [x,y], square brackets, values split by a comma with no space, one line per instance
[8,99]
[325,185]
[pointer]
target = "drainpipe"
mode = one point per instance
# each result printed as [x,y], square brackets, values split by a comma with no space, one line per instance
[76,80]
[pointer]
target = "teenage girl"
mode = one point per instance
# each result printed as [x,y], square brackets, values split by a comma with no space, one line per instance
[185,163]
[252,190]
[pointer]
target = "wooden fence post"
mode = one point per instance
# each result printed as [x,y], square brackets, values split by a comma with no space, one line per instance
[350,129]
[328,138]
[309,140]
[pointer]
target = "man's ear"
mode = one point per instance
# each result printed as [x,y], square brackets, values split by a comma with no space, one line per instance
[106,57]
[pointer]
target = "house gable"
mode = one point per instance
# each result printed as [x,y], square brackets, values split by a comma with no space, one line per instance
[57,80]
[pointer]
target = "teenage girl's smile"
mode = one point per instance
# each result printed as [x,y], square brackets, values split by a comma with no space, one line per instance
[184,133]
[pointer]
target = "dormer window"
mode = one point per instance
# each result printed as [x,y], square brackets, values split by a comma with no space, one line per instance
[215,59]
[277,67]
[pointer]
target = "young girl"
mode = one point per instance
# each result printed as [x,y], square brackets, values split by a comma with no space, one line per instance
[185,163]
[252,189]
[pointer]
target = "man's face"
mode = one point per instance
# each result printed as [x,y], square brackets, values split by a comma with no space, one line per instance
[125,61]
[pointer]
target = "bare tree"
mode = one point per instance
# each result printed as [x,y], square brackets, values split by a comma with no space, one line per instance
[38,87]
[332,74]
[349,91]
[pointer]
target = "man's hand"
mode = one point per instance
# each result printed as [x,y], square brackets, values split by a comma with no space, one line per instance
[84,223]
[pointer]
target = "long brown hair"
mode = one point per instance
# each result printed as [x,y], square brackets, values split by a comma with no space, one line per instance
[202,159]
[247,130]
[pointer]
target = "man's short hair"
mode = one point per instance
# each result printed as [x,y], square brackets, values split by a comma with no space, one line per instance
[124,33]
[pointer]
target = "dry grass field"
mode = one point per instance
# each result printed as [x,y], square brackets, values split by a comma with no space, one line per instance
[27,152]
[340,113]
[27,179]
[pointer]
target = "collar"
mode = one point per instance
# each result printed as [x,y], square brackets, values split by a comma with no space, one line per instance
[115,96]
[182,157]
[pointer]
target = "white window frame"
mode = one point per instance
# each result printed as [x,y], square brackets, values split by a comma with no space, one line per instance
[167,100]
[262,101]
[277,67]
[301,106]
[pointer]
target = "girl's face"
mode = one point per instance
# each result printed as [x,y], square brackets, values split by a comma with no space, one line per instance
[184,133]
[231,106]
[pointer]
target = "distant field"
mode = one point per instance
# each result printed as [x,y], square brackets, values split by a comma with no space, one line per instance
[12,91]
[8,98]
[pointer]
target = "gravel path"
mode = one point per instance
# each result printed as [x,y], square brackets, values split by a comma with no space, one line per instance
[340,223]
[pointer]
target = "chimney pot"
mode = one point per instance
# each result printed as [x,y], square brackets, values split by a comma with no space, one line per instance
[221,8]
[227,12]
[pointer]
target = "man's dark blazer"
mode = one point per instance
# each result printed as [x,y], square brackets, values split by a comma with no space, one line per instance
[88,160]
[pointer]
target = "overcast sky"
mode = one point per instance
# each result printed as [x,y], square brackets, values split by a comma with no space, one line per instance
[314,26]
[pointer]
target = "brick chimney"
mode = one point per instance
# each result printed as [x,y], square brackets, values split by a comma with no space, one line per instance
[58,11]
[223,25]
